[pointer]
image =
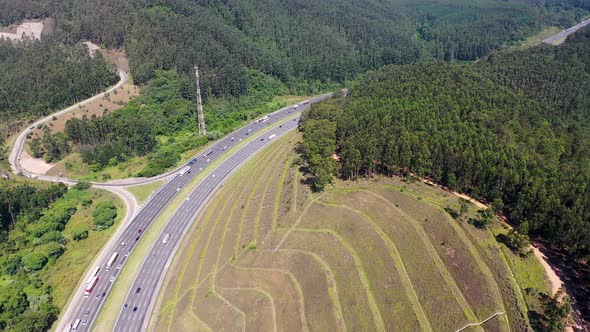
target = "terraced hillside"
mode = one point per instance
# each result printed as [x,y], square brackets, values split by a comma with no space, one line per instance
[269,255]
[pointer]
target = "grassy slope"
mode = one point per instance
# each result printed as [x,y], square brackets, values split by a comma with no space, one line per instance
[114,301]
[64,275]
[195,272]
[142,193]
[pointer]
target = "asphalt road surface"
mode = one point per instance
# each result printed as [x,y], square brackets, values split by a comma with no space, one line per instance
[566,32]
[142,295]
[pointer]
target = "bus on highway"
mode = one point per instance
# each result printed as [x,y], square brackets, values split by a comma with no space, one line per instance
[112,260]
[166,238]
[93,274]
[90,287]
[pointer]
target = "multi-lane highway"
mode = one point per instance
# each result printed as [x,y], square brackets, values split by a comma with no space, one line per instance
[563,34]
[141,296]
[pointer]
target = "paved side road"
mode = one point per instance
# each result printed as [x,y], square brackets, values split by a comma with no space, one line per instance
[14,157]
[566,32]
[87,308]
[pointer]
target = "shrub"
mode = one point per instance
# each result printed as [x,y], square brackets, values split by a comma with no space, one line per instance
[79,234]
[104,215]
[34,261]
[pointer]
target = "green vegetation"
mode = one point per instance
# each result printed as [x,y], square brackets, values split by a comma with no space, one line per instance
[38,236]
[39,77]
[159,129]
[494,130]
[339,258]
[104,215]
[508,130]
[143,192]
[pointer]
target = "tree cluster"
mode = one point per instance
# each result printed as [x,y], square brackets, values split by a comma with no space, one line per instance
[481,129]
[41,76]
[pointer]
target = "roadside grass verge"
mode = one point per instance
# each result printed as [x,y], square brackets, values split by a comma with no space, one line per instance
[110,309]
[185,274]
[63,276]
[143,192]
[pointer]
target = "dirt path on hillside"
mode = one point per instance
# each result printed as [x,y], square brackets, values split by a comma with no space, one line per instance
[554,280]
[34,165]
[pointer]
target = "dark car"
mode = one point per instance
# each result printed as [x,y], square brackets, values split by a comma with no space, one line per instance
[137,238]
[137,290]
[134,309]
[125,305]
[139,231]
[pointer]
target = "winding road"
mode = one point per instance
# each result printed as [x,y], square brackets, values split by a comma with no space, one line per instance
[563,34]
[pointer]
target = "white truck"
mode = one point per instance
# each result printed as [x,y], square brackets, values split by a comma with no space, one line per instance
[112,260]
[184,170]
[93,274]
[166,238]
[272,136]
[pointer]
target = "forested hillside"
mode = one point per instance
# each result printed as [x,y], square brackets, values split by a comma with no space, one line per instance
[497,130]
[295,41]
[37,77]
[35,233]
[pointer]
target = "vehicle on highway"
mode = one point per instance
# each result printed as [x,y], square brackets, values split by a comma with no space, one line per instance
[225,147]
[166,238]
[84,322]
[305,102]
[127,254]
[90,287]
[76,324]
[232,138]
[137,238]
[209,153]
[194,160]
[67,328]
[96,297]
[118,266]
[112,260]
[125,305]
[139,231]
[122,244]
[272,136]
[295,106]
[184,170]
[134,309]
[112,278]
[86,313]
[34,176]
[137,290]
[262,139]
[92,275]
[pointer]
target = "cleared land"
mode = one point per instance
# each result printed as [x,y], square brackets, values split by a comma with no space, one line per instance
[267,255]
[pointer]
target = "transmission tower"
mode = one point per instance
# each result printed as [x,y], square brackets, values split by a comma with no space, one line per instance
[202,130]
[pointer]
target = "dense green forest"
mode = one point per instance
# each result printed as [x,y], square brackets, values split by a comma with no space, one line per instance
[505,131]
[294,40]
[38,77]
[32,239]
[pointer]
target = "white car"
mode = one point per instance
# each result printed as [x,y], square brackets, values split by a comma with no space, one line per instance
[112,278]
[295,106]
